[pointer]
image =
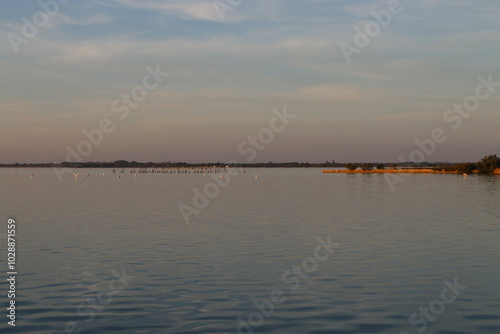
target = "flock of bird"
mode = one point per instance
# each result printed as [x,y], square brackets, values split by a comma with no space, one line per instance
[169,170]
[186,170]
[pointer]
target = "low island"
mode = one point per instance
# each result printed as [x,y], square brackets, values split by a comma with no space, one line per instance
[489,165]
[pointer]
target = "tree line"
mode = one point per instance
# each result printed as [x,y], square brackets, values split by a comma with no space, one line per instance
[485,166]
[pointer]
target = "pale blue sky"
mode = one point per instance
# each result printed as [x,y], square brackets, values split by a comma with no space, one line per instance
[227,76]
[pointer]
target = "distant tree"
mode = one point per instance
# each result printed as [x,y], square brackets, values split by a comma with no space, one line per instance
[366,166]
[465,168]
[380,166]
[488,164]
[351,166]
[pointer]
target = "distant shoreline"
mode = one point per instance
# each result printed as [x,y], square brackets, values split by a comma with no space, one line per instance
[134,164]
[489,165]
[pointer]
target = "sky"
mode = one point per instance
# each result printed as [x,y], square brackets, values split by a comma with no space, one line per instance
[230,63]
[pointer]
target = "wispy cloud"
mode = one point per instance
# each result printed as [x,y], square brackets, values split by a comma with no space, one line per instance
[189,9]
[96,18]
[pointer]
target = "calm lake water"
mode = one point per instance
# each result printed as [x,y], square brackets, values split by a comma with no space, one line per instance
[396,251]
